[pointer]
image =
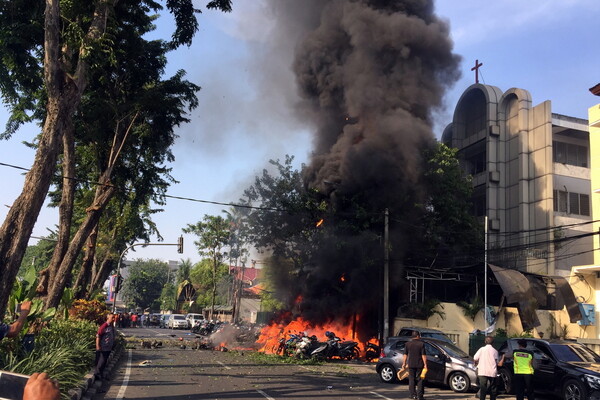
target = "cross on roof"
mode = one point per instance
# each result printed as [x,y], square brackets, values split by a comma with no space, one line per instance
[476,69]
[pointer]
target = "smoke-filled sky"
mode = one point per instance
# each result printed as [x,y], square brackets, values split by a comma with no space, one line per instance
[251,109]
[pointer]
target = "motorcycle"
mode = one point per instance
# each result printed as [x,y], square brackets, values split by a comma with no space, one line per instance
[371,352]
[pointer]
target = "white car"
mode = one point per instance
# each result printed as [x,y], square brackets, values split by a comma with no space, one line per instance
[192,319]
[177,321]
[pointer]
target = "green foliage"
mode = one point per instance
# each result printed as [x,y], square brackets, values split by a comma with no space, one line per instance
[144,285]
[38,255]
[65,350]
[204,277]
[450,230]
[274,359]
[502,333]
[24,290]
[66,301]
[471,309]
[168,297]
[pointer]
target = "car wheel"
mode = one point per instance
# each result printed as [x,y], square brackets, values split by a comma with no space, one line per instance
[505,381]
[459,382]
[387,373]
[574,390]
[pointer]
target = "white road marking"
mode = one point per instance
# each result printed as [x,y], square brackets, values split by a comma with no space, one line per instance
[226,367]
[380,395]
[125,379]
[264,394]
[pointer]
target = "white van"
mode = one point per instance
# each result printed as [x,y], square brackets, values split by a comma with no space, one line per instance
[177,321]
[192,319]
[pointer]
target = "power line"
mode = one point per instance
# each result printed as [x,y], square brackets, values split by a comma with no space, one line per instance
[230,204]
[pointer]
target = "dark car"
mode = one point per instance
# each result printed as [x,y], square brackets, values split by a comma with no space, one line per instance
[425,333]
[567,369]
[446,363]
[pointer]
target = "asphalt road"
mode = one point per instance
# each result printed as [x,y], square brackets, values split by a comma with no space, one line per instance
[172,373]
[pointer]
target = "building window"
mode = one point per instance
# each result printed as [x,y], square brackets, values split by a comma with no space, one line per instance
[571,203]
[572,154]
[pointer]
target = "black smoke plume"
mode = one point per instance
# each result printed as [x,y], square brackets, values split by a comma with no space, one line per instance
[370,74]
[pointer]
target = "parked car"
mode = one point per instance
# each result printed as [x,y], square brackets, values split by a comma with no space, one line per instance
[177,321]
[154,319]
[193,318]
[425,333]
[164,318]
[446,363]
[567,369]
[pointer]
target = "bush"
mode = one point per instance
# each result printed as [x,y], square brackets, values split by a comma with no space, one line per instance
[64,350]
[92,310]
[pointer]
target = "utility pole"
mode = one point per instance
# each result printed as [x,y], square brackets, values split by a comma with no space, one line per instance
[386,277]
[485,280]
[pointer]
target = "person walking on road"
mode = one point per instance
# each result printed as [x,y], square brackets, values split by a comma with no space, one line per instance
[416,362]
[13,329]
[523,371]
[105,340]
[486,360]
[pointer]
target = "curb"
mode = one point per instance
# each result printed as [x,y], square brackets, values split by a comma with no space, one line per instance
[89,385]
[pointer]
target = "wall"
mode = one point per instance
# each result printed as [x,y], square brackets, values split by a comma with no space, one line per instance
[458,326]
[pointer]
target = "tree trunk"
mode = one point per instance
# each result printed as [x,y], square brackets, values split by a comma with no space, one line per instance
[65,208]
[85,272]
[104,193]
[104,271]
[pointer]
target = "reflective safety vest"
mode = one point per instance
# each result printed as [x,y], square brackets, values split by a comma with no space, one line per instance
[522,362]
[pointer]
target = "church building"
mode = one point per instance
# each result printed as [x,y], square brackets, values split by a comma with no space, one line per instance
[531,178]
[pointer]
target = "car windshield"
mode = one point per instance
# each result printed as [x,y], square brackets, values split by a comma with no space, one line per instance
[434,335]
[178,317]
[574,352]
[454,351]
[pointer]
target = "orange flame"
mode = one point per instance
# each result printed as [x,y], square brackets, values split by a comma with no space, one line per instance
[343,278]
[319,223]
[270,335]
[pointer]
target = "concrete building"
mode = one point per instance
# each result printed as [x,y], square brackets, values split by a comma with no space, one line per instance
[531,178]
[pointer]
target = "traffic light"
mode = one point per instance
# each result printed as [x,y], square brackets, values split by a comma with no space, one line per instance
[119,283]
[180,245]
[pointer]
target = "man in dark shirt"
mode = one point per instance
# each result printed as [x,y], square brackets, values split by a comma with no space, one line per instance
[105,339]
[416,361]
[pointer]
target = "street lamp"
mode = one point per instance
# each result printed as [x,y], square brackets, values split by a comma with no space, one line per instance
[179,245]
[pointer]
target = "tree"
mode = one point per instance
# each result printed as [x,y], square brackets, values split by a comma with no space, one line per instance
[168,297]
[183,273]
[143,287]
[450,233]
[48,58]
[213,235]
[204,280]
[287,214]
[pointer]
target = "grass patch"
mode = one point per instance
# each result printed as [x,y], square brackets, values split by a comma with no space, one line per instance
[274,359]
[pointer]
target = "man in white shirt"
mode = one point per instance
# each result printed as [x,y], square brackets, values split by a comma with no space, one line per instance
[486,360]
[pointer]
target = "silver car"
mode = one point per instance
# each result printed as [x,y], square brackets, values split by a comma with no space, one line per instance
[446,363]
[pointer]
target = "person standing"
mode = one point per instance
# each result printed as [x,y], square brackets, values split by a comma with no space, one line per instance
[105,340]
[523,371]
[416,362]
[486,360]
[13,329]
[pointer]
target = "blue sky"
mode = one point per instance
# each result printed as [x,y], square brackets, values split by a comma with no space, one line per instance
[245,117]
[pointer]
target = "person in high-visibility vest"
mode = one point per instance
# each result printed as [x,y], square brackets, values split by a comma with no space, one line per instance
[523,371]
